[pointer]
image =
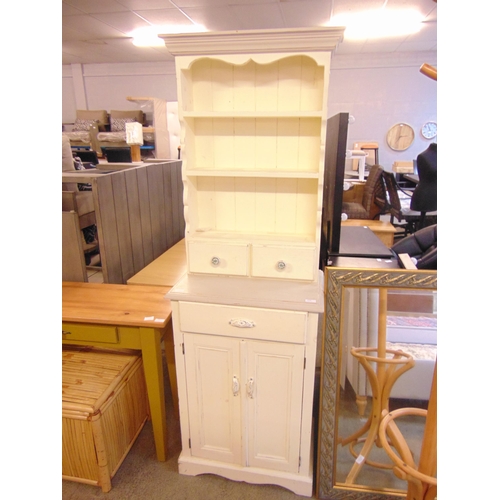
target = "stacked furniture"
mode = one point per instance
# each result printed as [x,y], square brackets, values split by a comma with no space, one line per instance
[98,129]
[252,107]
[87,124]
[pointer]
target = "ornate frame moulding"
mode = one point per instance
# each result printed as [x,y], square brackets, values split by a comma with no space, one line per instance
[336,280]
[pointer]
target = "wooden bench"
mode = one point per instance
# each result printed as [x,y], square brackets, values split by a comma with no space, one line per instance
[165,270]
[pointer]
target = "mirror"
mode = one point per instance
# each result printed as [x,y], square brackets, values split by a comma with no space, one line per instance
[386,311]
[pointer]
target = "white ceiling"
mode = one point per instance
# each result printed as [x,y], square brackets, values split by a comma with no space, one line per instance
[97,31]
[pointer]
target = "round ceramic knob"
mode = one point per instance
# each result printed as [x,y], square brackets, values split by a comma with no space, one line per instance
[281,265]
[215,261]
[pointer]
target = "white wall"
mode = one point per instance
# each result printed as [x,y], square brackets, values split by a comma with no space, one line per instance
[106,86]
[378,90]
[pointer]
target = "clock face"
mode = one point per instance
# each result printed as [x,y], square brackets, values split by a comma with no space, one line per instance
[400,136]
[429,130]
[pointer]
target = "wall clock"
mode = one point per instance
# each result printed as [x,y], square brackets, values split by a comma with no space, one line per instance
[429,130]
[400,136]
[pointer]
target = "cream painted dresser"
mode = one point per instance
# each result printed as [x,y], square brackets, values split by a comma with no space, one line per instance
[252,107]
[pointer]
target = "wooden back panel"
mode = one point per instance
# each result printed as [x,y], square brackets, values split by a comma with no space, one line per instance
[139,216]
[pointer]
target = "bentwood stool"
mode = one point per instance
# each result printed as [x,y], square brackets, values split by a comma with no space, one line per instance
[388,370]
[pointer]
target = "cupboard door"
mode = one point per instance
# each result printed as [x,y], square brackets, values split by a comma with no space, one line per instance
[214,397]
[274,382]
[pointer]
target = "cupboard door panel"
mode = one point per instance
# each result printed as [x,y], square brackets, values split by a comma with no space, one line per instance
[274,398]
[214,397]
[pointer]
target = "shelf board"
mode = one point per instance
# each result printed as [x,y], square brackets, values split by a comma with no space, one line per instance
[250,114]
[280,174]
[209,234]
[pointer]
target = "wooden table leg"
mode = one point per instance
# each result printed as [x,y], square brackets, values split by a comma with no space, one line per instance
[168,341]
[153,370]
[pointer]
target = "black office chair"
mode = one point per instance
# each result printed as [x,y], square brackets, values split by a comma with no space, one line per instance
[420,246]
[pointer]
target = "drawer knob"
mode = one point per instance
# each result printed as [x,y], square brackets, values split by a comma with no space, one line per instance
[241,323]
[281,265]
[215,261]
[65,332]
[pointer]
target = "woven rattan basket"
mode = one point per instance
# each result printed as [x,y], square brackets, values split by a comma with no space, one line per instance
[104,407]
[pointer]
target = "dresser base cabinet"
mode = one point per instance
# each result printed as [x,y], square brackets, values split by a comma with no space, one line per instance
[246,384]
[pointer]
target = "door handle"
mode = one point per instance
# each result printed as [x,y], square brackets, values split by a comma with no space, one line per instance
[250,388]
[236,386]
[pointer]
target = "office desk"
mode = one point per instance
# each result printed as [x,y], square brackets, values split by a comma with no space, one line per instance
[166,270]
[128,317]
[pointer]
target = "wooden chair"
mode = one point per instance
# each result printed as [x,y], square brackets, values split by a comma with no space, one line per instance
[421,477]
[78,213]
[373,199]
[73,257]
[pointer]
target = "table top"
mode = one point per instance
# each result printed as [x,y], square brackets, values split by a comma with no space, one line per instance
[251,292]
[412,177]
[375,225]
[166,270]
[111,304]
[361,241]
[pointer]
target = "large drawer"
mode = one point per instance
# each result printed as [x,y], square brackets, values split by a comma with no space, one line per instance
[90,333]
[283,262]
[218,258]
[245,322]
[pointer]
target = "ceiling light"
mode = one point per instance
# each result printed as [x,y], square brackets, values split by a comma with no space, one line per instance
[148,37]
[380,23]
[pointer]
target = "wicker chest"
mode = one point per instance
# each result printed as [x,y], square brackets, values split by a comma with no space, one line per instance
[104,407]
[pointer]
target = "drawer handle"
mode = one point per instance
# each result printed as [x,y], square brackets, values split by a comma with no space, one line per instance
[215,261]
[281,265]
[241,323]
[65,332]
[250,387]
[236,386]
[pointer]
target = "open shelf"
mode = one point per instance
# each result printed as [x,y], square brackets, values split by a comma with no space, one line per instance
[291,143]
[291,83]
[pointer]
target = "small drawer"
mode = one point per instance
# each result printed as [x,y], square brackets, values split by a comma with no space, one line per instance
[243,322]
[295,263]
[218,258]
[90,333]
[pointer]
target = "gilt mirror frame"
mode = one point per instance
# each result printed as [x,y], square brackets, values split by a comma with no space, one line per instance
[337,279]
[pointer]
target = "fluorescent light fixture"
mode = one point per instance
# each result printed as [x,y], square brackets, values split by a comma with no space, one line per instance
[380,23]
[148,37]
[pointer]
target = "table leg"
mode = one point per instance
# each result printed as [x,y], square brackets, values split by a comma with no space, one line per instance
[168,342]
[153,370]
